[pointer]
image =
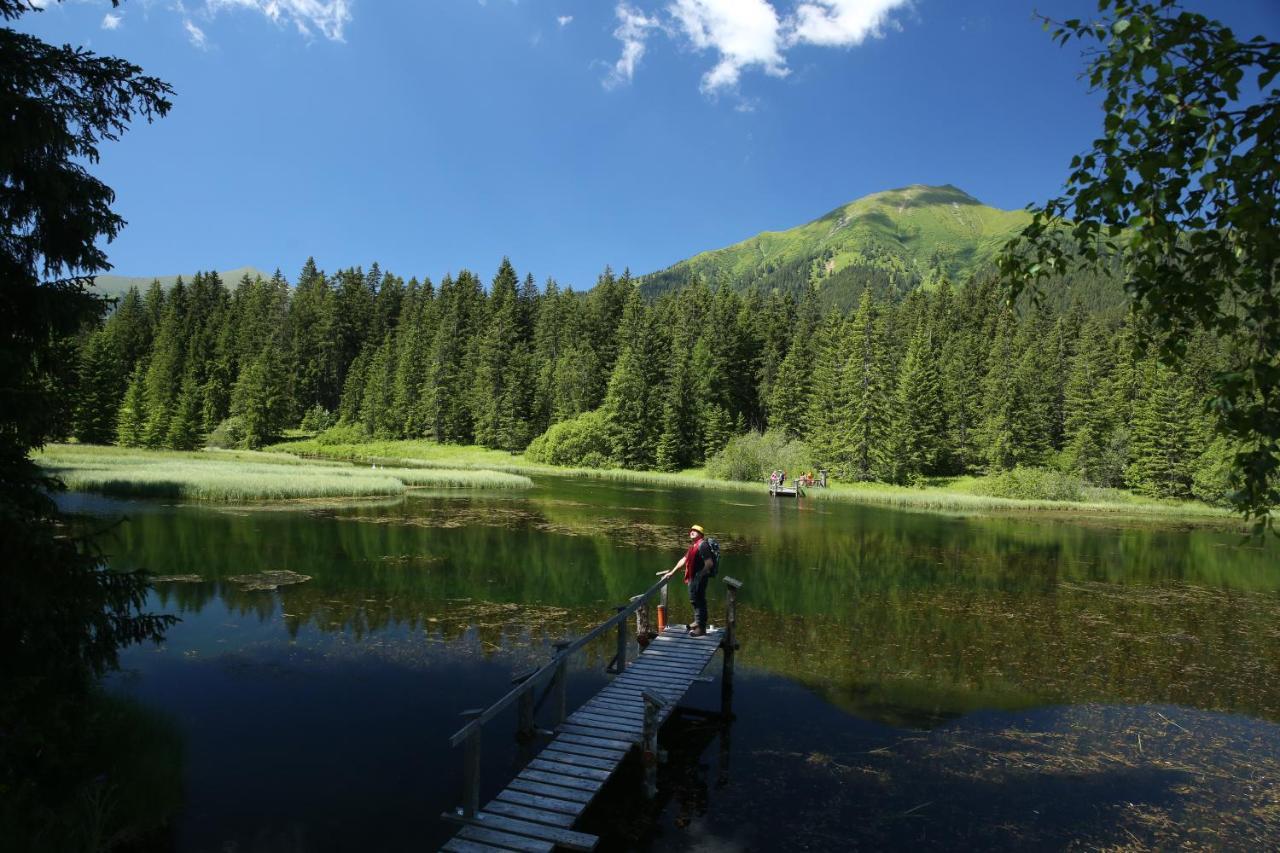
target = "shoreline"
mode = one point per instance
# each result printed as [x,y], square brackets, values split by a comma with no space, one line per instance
[929,498]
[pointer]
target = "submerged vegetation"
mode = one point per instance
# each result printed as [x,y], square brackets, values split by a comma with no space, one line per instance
[245,476]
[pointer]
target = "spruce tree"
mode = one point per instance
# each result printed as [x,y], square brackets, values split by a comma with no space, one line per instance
[825,421]
[1163,445]
[632,404]
[184,426]
[867,395]
[100,390]
[918,426]
[131,422]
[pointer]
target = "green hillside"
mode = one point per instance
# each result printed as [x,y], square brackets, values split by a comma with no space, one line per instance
[893,241]
[118,285]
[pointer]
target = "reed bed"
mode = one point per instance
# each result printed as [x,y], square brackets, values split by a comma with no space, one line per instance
[955,495]
[244,475]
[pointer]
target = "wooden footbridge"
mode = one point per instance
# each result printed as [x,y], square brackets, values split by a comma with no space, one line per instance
[539,807]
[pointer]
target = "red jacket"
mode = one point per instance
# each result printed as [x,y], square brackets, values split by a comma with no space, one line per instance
[691,562]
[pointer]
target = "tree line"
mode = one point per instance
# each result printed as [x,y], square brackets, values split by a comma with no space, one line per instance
[944,381]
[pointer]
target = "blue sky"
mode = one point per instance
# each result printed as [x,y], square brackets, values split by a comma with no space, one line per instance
[568,134]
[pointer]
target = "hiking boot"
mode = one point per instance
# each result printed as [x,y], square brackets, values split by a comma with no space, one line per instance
[691,626]
[697,631]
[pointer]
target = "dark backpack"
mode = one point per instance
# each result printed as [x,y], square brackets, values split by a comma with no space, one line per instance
[711,544]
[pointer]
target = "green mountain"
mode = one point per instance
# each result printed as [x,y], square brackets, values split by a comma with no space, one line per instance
[118,285]
[892,241]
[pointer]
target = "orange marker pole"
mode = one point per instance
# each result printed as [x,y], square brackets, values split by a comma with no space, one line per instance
[662,617]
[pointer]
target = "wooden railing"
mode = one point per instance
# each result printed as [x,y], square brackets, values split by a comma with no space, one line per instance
[554,675]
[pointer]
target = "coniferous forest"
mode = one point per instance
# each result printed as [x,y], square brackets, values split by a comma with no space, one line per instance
[947,380]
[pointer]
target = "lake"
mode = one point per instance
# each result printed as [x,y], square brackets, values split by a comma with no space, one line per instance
[906,680]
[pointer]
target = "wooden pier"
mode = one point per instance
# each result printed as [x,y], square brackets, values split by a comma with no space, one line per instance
[539,808]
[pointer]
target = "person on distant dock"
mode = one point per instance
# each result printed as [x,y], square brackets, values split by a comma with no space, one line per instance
[698,563]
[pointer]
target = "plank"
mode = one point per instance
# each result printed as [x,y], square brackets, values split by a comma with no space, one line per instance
[594,732]
[563,837]
[462,845]
[671,651]
[607,720]
[567,808]
[691,670]
[569,770]
[553,778]
[655,674]
[578,760]
[600,742]
[608,710]
[611,723]
[562,745]
[533,815]
[506,839]
[616,706]
[538,788]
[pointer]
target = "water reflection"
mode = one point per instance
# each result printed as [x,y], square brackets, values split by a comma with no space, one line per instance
[879,650]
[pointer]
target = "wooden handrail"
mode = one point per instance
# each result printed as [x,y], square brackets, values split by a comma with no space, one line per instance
[544,672]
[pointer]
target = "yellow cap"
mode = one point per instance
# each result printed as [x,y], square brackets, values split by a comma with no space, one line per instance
[698,527]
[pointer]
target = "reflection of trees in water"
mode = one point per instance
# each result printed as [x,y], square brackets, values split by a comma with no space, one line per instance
[903,616]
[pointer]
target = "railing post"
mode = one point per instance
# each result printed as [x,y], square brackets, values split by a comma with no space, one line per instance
[730,642]
[524,712]
[560,679]
[471,767]
[664,615]
[620,659]
[642,621]
[649,745]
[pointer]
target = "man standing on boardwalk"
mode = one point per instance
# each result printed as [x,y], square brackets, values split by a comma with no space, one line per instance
[698,563]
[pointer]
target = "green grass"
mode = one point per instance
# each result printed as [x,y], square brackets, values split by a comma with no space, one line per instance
[245,475]
[957,494]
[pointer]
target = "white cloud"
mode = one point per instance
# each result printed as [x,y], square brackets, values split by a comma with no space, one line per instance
[743,32]
[564,20]
[840,23]
[195,34]
[633,29]
[746,34]
[330,17]
[111,21]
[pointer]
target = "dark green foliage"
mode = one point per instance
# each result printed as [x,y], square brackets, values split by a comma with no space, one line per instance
[100,390]
[1183,186]
[63,615]
[919,428]
[633,401]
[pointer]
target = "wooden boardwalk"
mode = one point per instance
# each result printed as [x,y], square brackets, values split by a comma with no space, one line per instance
[536,811]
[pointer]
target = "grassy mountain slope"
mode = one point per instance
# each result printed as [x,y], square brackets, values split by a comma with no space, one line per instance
[893,241]
[118,285]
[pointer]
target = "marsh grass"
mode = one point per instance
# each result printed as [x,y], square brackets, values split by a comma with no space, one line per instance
[961,495]
[230,476]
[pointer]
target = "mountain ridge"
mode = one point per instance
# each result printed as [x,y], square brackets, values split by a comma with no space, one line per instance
[892,241]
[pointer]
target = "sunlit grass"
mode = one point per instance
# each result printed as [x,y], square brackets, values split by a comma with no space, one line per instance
[955,494]
[245,475]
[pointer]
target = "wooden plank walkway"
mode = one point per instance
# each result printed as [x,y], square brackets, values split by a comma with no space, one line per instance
[537,810]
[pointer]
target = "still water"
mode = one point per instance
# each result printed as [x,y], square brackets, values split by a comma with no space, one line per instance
[905,679]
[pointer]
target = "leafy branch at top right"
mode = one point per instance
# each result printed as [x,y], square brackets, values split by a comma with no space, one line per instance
[1181,192]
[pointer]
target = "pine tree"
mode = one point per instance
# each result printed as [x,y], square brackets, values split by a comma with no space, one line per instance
[918,427]
[259,397]
[501,333]
[99,388]
[632,403]
[131,422]
[869,418]
[184,426]
[165,369]
[1164,449]
[1088,413]
[825,421]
